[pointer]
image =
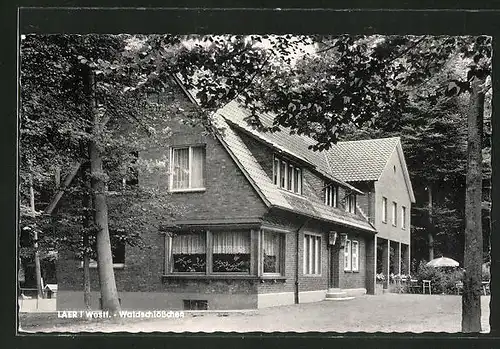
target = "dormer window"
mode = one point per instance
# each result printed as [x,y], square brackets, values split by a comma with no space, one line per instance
[331,194]
[287,175]
[350,203]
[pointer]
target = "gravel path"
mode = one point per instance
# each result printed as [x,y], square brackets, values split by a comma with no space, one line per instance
[384,313]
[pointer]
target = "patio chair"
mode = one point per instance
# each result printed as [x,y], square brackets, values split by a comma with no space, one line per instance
[459,287]
[426,284]
[413,286]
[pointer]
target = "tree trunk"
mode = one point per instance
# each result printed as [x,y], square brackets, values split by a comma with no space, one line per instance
[87,204]
[55,200]
[109,294]
[38,270]
[473,254]
[430,230]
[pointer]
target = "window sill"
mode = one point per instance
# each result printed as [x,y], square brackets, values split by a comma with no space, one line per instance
[272,277]
[290,192]
[311,275]
[208,277]
[94,266]
[187,190]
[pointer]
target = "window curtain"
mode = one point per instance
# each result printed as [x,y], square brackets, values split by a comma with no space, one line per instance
[181,168]
[197,165]
[231,242]
[189,244]
[271,244]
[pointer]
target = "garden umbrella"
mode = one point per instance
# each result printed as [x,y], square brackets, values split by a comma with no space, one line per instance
[443,262]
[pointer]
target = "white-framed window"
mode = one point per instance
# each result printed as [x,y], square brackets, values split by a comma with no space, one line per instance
[287,176]
[403,217]
[394,213]
[187,166]
[384,209]
[189,252]
[273,253]
[351,255]
[350,203]
[208,252]
[355,255]
[331,195]
[312,254]
[231,252]
[347,256]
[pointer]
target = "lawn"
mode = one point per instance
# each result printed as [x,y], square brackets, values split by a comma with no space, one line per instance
[384,313]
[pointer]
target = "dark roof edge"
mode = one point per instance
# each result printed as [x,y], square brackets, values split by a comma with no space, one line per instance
[347,224]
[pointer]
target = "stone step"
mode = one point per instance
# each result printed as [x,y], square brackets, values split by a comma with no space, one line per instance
[339,299]
[336,294]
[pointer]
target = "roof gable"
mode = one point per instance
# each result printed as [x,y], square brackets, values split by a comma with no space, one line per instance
[363,160]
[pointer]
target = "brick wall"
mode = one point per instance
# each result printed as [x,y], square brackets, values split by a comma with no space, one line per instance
[228,193]
[351,279]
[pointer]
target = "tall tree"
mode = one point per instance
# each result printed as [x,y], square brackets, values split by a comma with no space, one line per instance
[364,79]
[91,89]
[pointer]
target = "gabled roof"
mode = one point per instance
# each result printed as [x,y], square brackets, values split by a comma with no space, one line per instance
[230,118]
[365,160]
[292,145]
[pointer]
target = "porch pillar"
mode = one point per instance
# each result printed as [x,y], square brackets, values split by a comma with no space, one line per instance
[385,261]
[371,265]
[396,263]
[406,259]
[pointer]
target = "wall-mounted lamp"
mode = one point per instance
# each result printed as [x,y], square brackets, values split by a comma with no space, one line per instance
[343,240]
[332,238]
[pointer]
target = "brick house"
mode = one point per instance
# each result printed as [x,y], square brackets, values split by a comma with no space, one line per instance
[266,221]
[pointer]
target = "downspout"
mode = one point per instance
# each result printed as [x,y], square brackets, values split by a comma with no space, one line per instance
[296,293]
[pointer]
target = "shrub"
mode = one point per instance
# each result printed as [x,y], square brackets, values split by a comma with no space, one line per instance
[443,280]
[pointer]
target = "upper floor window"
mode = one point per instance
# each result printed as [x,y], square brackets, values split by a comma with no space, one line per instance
[394,213]
[403,217]
[331,195]
[187,167]
[350,204]
[384,209]
[287,176]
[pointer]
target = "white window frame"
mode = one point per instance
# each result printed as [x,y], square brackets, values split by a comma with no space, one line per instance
[282,247]
[348,201]
[277,164]
[308,255]
[347,256]
[190,161]
[394,213]
[355,264]
[331,195]
[403,217]
[384,209]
